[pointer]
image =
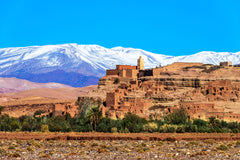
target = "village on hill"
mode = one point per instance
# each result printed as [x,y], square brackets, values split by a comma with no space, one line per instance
[204,90]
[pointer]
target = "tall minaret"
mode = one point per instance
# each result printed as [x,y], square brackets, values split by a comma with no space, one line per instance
[140,64]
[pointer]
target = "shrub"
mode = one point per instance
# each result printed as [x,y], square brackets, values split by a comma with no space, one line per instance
[235,130]
[44,128]
[114,130]
[178,116]
[180,129]
[168,128]
[209,141]
[150,127]
[232,125]
[14,124]
[133,123]
[200,122]
[214,123]
[238,143]
[222,147]
[15,154]
[116,81]
[38,112]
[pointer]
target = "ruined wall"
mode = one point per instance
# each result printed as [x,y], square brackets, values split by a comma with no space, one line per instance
[112,72]
[199,110]
[132,73]
[221,90]
[157,71]
[225,64]
[122,73]
[125,67]
[49,108]
[179,65]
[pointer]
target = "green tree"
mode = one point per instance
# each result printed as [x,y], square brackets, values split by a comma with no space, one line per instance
[133,123]
[178,116]
[214,123]
[94,116]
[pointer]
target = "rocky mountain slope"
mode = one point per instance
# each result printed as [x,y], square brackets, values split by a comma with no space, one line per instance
[15,85]
[82,65]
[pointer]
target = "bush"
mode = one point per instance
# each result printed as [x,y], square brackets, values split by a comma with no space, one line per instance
[232,125]
[150,127]
[39,112]
[235,130]
[57,124]
[180,129]
[133,123]
[114,130]
[190,127]
[168,128]
[200,123]
[44,128]
[203,129]
[116,81]
[14,124]
[222,147]
[178,116]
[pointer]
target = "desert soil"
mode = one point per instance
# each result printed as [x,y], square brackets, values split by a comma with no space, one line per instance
[118,146]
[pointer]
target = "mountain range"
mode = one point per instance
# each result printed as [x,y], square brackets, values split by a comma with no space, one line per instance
[82,65]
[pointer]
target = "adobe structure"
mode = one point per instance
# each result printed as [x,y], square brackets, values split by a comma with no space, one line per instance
[127,70]
[60,108]
[204,90]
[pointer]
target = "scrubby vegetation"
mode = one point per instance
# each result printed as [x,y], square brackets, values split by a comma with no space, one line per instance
[176,122]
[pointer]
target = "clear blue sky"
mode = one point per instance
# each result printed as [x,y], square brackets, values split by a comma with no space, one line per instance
[172,27]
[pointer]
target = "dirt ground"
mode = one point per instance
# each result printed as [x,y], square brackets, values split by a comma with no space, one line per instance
[119,136]
[25,145]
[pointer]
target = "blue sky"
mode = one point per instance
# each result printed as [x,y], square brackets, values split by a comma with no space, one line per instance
[171,27]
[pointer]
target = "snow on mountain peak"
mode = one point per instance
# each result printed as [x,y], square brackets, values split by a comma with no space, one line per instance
[93,59]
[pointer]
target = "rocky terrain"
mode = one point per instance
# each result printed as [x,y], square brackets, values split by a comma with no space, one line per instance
[118,149]
[16,85]
[204,90]
[27,102]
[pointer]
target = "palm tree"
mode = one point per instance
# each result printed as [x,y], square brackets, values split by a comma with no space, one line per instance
[94,116]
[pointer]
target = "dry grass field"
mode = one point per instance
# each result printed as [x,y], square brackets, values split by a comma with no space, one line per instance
[118,146]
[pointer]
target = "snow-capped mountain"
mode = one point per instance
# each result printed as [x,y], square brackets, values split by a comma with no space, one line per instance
[81,65]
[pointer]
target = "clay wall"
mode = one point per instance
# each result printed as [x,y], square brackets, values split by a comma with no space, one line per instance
[179,65]
[206,110]
[122,73]
[125,67]
[50,109]
[21,110]
[146,72]
[111,99]
[221,90]
[225,64]
[132,73]
[157,71]
[226,116]
[110,72]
